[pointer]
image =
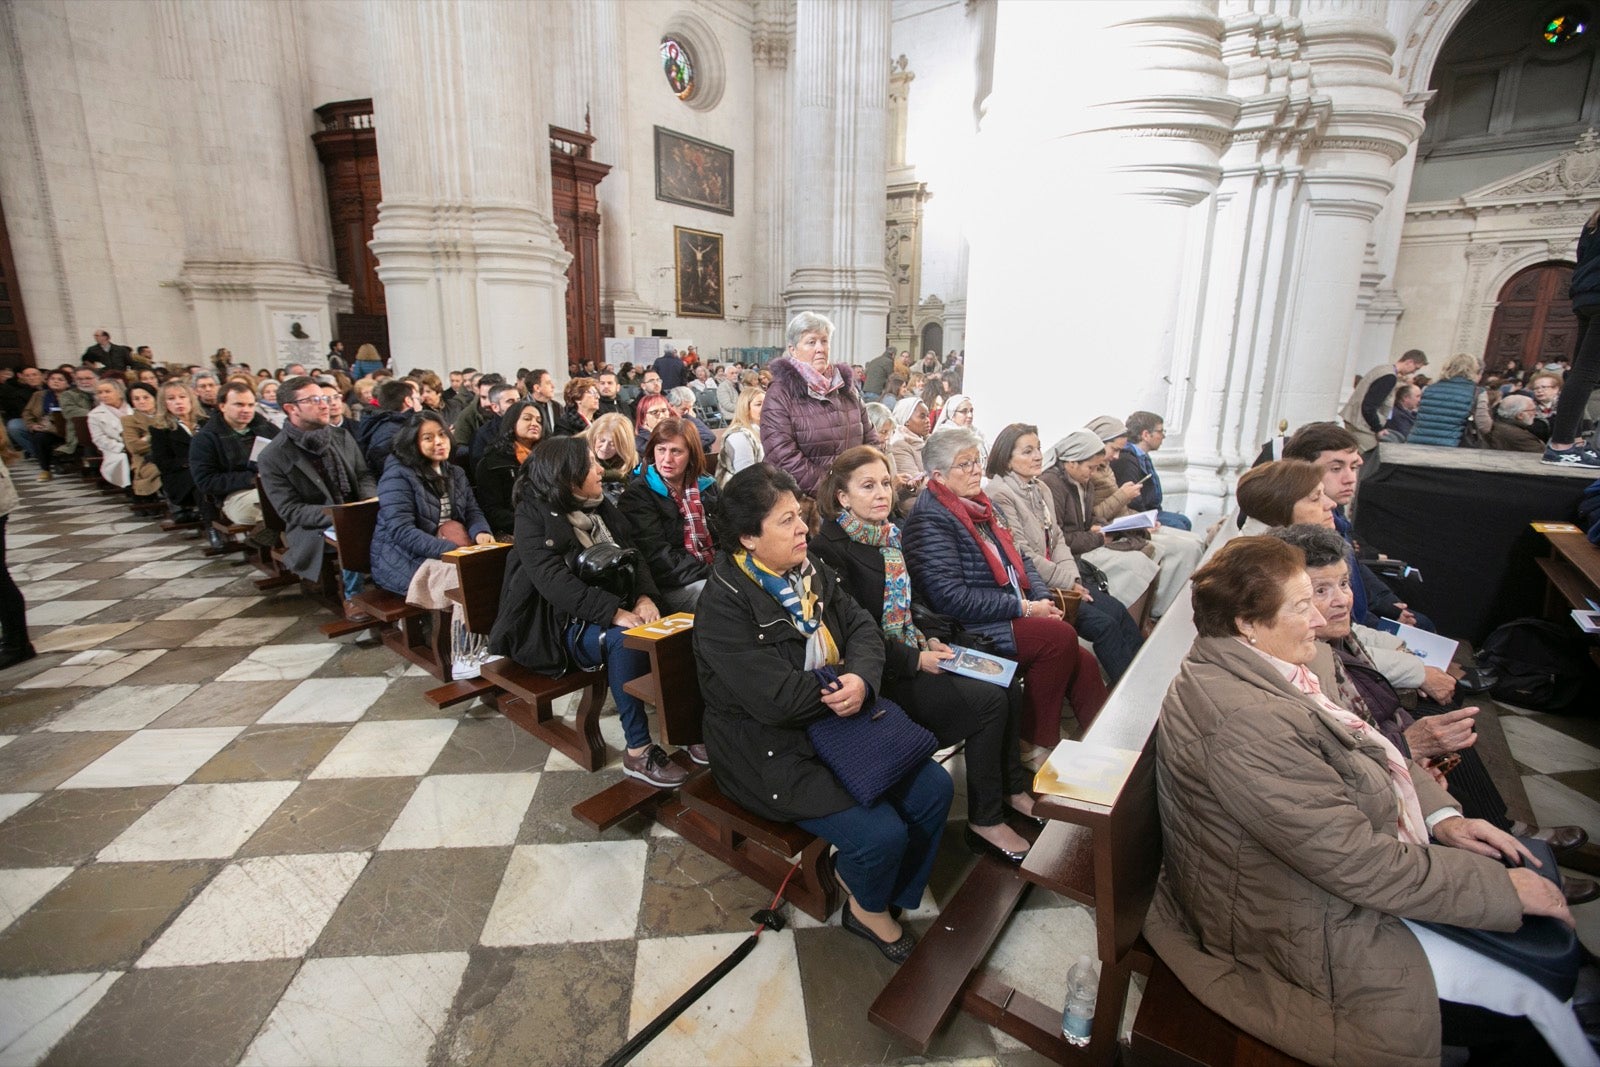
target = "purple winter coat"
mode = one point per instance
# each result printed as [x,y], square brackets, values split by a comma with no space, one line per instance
[802,433]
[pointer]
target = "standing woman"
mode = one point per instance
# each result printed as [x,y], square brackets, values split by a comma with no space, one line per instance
[963,559]
[1450,403]
[170,434]
[862,547]
[611,442]
[1584,375]
[105,430]
[136,441]
[647,416]
[520,430]
[741,445]
[582,397]
[813,410]
[667,505]
[425,506]
[769,618]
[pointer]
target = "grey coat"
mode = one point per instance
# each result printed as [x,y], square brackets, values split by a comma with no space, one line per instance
[291,481]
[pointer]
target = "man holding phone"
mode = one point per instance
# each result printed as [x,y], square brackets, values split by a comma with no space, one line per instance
[1146,433]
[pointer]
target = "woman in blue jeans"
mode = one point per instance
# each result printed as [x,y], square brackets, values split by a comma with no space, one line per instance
[769,616]
[551,621]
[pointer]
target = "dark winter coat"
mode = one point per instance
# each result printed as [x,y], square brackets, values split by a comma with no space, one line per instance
[1585,287]
[408,516]
[541,595]
[375,436]
[169,451]
[294,485]
[658,528]
[219,459]
[759,697]
[497,473]
[1443,414]
[802,433]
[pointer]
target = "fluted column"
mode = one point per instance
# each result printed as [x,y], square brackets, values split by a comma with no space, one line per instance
[1127,137]
[256,235]
[472,266]
[839,153]
[770,42]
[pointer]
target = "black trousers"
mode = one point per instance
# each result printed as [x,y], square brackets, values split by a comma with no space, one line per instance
[1105,623]
[1470,782]
[1493,1038]
[45,444]
[958,709]
[1580,381]
[13,609]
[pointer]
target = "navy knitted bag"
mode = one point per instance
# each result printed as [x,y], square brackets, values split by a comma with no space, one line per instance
[871,750]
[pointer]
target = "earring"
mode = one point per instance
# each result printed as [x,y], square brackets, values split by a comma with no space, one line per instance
[1252,639]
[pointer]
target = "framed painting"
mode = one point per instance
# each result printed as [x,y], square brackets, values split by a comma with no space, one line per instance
[693,172]
[697,268]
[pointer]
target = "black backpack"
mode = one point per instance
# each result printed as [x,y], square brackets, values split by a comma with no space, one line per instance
[1542,665]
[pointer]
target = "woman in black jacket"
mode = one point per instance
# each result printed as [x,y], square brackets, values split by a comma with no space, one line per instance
[177,419]
[863,547]
[669,504]
[770,614]
[520,430]
[551,621]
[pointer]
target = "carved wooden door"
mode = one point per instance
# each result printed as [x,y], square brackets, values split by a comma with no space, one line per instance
[16,348]
[1534,323]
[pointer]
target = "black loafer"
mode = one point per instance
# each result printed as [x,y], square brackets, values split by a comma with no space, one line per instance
[896,952]
[989,848]
[1036,820]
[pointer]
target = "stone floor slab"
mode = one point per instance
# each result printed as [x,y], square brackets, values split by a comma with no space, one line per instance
[198,822]
[68,826]
[270,753]
[339,815]
[429,900]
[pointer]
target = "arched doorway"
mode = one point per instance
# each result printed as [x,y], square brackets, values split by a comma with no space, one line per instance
[932,339]
[1534,322]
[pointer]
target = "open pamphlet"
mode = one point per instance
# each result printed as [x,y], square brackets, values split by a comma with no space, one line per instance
[1435,651]
[1139,520]
[259,447]
[1082,770]
[1588,621]
[980,665]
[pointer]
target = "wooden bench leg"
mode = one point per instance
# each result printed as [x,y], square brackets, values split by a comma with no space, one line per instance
[814,889]
[581,742]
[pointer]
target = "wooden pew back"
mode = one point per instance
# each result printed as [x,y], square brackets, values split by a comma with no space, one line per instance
[354,525]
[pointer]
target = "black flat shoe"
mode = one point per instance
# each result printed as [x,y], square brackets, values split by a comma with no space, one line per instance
[896,952]
[10,657]
[1036,820]
[989,848]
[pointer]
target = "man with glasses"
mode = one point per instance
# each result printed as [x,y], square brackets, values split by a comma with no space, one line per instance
[1147,432]
[307,468]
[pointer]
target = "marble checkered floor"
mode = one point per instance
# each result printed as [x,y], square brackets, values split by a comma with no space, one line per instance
[226,838]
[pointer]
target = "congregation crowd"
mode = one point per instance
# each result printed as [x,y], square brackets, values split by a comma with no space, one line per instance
[838,532]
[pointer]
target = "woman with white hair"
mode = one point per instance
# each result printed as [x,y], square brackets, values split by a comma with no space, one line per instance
[813,409]
[1449,403]
[105,430]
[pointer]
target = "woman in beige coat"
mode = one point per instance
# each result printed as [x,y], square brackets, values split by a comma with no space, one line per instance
[136,440]
[1296,843]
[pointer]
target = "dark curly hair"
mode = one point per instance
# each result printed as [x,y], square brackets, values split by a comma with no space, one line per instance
[747,498]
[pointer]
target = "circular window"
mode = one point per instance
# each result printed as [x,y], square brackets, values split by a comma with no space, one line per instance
[678,65]
[1564,27]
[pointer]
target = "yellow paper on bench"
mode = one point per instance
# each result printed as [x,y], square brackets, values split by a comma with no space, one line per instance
[1555,527]
[665,626]
[1085,771]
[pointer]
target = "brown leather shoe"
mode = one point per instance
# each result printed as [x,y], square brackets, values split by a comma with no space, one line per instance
[699,755]
[353,612]
[1578,890]
[1559,838]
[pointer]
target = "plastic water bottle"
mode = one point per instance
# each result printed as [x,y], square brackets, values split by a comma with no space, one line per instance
[1082,986]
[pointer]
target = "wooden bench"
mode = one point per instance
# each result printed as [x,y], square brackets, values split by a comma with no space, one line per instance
[268,559]
[1572,570]
[479,573]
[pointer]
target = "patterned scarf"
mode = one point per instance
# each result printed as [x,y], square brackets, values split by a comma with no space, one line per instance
[804,607]
[885,537]
[587,526]
[817,384]
[696,533]
[972,512]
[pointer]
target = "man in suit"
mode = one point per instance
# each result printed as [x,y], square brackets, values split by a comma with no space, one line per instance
[306,468]
[670,368]
[106,355]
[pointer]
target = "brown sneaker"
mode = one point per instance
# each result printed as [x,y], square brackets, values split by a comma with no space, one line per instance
[699,755]
[653,766]
[45,476]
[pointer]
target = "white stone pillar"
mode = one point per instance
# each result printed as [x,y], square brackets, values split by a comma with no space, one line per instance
[472,266]
[1088,175]
[256,239]
[770,42]
[840,153]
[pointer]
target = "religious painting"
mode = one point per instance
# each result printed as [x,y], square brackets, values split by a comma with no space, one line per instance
[697,263]
[692,172]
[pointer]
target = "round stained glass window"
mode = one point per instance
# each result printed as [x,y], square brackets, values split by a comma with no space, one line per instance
[1563,29]
[678,65]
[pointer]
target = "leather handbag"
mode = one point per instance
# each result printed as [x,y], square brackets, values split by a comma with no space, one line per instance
[871,750]
[609,567]
[1067,600]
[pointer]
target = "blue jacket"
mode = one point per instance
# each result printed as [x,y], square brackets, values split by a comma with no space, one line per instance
[375,437]
[951,573]
[1446,407]
[408,515]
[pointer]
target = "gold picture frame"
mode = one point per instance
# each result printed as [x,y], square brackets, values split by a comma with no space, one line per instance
[697,273]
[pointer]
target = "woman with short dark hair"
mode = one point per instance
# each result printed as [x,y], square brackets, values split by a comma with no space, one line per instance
[770,617]
[553,621]
[1282,493]
[669,504]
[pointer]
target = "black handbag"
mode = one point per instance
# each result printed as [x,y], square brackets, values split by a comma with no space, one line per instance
[609,567]
[871,750]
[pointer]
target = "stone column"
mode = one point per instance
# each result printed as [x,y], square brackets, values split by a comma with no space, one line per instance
[840,145]
[770,42]
[1088,176]
[255,224]
[472,266]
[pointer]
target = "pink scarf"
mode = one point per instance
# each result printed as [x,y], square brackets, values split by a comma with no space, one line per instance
[817,384]
[1410,824]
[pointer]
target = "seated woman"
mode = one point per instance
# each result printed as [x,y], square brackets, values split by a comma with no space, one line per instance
[647,416]
[862,547]
[550,621]
[610,440]
[47,417]
[1025,506]
[741,445]
[667,504]
[105,430]
[267,402]
[764,624]
[170,434]
[582,399]
[1282,493]
[136,441]
[1070,468]
[1296,841]
[425,506]
[520,429]
[963,560]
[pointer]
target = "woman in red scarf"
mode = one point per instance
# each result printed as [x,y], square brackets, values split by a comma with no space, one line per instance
[964,564]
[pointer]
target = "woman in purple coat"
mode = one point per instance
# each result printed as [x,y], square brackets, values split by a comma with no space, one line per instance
[813,410]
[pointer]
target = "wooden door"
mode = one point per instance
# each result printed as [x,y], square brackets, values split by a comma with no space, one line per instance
[16,349]
[1534,323]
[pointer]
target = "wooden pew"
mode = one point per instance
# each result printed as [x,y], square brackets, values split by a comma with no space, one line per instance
[1572,570]
[268,559]
[479,572]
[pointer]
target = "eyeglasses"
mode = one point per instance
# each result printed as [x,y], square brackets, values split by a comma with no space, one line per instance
[967,466]
[323,400]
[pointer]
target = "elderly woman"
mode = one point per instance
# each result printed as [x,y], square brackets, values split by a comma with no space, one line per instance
[1297,846]
[741,445]
[611,443]
[267,402]
[668,504]
[1025,506]
[813,410]
[1450,403]
[105,430]
[963,559]
[957,411]
[862,546]
[1070,467]
[905,446]
[766,622]
[136,427]
[519,431]
[581,398]
[1282,493]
